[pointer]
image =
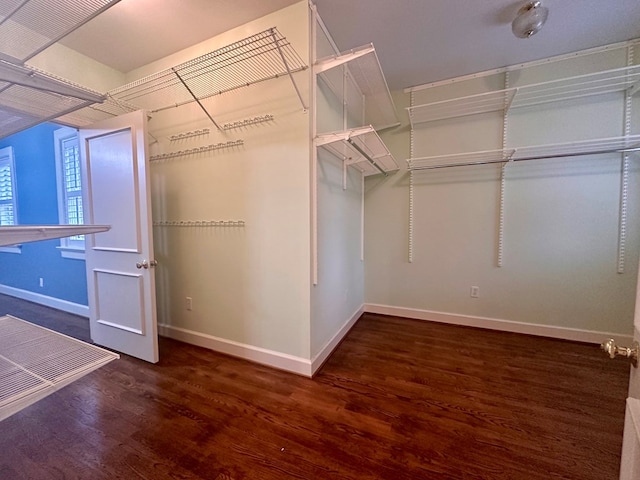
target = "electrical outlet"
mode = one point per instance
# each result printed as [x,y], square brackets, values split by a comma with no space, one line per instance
[188,303]
[41,283]
[475,292]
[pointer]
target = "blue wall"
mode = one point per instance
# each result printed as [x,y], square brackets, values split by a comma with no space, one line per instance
[35,172]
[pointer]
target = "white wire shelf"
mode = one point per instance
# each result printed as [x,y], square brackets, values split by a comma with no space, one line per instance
[463,106]
[27,27]
[616,80]
[263,56]
[559,150]
[365,72]
[17,234]
[96,112]
[29,96]
[361,148]
[36,362]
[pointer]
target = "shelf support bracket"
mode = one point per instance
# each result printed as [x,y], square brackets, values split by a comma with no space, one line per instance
[633,89]
[501,207]
[624,175]
[411,208]
[335,61]
[195,98]
[366,156]
[286,65]
[344,175]
[510,100]
[623,208]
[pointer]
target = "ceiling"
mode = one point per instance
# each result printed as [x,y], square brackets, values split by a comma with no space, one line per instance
[417,41]
[422,41]
[133,33]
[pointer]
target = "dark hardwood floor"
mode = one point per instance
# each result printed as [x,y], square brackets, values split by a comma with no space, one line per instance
[399,399]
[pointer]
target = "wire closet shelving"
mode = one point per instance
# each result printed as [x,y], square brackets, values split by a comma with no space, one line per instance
[36,362]
[29,96]
[599,83]
[559,150]
[18,234]
[361,148]
[364,77]
[28,27]
[364,89]
[263,56]
[623,82]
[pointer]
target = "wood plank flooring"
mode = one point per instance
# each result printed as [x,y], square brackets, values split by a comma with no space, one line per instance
[399,399]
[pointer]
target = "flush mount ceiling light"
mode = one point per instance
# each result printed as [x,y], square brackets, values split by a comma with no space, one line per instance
[530,19]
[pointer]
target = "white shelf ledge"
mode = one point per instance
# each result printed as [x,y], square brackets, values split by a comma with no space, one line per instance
[16,234]
[367,77]
[539,152]
[616,80]
[361,148]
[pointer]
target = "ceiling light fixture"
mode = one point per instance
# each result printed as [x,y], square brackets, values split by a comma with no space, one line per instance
[529,20]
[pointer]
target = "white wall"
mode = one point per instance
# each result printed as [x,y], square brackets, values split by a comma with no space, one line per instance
[71,65]
[249,285]
[338,297]
[561,216]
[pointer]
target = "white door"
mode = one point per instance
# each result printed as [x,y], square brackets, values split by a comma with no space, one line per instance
[120,275]
[630,462]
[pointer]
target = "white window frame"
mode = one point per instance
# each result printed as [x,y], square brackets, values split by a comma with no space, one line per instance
[70,247]
[7,158]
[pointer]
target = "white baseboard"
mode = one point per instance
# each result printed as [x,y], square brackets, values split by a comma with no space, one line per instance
[271,358]
[564,333]
[331,345]
[64,305]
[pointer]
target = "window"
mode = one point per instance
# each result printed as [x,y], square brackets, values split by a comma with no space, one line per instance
[8,205]
[7,187]
[69,178]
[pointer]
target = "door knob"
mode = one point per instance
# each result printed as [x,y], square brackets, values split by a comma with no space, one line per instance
[145,264]
[614,351]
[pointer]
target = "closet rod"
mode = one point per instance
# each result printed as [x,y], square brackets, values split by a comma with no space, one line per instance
[195,98]
[533,157]
[364,154]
